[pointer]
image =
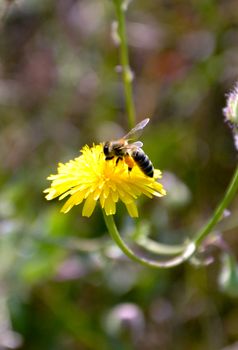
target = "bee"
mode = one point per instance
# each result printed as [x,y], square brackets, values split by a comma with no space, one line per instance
[131,152]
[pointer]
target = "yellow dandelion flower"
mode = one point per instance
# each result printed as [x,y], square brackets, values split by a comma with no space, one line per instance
[91,178]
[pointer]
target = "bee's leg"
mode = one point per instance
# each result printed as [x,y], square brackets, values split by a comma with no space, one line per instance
[119,158]
[109,158]
[129,161]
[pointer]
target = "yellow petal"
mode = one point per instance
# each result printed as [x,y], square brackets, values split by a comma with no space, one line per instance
[157,173]
[89,206]
[132,209]
[75,199]
[110,206]
[52,193]
[115,196]
[102,200]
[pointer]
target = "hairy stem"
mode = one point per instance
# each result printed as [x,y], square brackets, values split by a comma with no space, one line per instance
[124,61]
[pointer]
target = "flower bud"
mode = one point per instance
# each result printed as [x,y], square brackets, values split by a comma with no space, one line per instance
[231,109]
[125,319]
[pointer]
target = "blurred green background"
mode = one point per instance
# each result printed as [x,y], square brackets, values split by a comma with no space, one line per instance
[64,285]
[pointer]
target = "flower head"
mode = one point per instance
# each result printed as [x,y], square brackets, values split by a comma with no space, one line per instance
[231,113]
[231,109]
[91,178]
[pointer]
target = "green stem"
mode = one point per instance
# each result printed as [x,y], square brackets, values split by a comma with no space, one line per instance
[112,229]
[202,233]
[189,248]
[161,248]
[232,188]
[218,213]
[124,61]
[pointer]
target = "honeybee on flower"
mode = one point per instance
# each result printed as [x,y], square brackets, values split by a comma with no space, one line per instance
[131,152]
[101,174]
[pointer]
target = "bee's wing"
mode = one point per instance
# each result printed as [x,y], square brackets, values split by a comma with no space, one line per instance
[133,146]
[136,131]
[137,144]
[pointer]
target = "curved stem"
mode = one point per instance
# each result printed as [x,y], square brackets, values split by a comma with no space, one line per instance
[157,248]
[187,253]
[218,213]
[127,74]
[188,249]
[161,248]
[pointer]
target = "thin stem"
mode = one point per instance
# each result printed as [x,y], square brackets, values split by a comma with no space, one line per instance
[127,74]
[205,231]
[161,248]
[218,213]
[188,251]
[190,248]
[140,237]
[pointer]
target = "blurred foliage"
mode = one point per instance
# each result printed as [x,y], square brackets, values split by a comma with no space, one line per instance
[64,285]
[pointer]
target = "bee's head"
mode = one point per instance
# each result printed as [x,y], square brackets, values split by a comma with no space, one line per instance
[106,148]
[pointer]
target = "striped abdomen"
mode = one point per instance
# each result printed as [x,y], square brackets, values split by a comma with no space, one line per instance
[143,162]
